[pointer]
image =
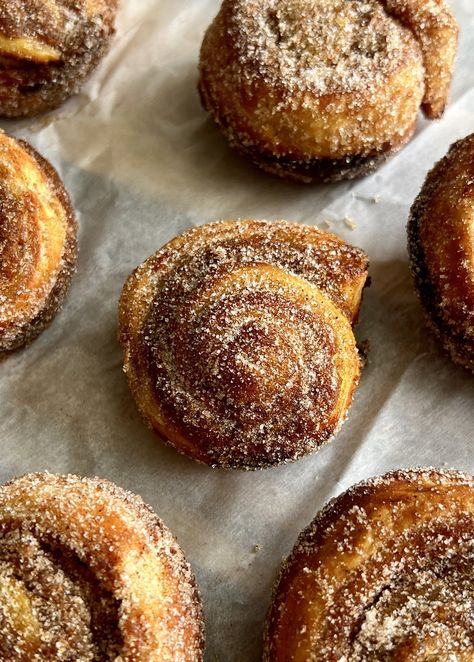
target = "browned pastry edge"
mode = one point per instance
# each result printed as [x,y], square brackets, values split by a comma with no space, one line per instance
[453,343]
[36,88]
[377,500]
[30,330]
[310,171]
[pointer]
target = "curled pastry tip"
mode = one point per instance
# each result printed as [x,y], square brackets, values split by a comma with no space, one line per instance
[88,567]
[38,244]
[321,91]
[434,26]
[440,240]
[382,573]
[238,342]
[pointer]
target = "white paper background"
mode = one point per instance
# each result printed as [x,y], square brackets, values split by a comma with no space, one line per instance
[143,162]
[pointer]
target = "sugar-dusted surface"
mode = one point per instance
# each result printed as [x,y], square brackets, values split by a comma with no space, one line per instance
[384,572]
[47,50]
[143,163]
[238,342]
[318,46]
[441,246]
[88,567]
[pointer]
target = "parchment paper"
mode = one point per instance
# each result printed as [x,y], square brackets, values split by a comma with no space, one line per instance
[142,162]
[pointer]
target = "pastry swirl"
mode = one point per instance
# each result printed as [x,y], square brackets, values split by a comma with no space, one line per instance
[37,243]
[440,244]
[89,573]
[322,90]
[47,50]
[238,342]
[384,572]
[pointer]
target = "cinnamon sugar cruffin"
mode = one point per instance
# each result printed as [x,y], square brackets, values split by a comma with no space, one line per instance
[441,247]
[384,572]
[89,573]
[47,50]
[37,243]
[238,342]
[325,89]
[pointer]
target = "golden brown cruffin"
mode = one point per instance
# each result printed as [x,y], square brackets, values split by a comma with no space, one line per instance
[47,50]
[37,243]
[323,90]
[89,573]
[384,572]
[238,342]
[441,248]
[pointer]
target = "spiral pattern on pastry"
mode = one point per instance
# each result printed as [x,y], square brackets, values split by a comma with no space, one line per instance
[89,573]
[321,90]
[47,50]
[384,572]
[238,342]
[37,243]
[441,248]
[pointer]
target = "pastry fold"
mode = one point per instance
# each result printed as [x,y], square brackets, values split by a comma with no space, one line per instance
[238,342]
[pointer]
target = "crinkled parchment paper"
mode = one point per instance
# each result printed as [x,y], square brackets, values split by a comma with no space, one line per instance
[142,162]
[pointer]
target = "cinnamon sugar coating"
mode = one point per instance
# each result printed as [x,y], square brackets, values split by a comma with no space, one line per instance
[37,243]
[384,572]
[238,342]
[441,248]
[321,90]
[89,573]
[48,48]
